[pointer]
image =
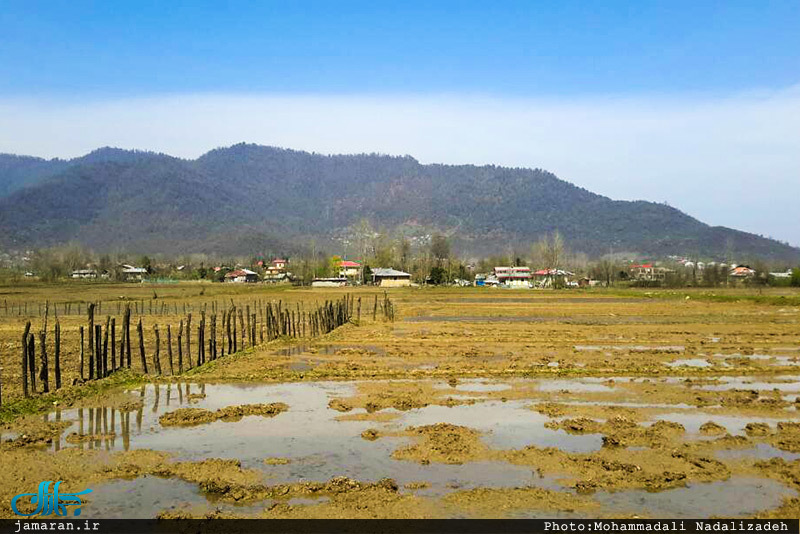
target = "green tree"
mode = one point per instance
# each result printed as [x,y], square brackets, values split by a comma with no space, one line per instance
[437,276]
[796,277]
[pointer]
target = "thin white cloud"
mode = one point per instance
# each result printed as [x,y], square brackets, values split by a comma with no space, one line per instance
[733,160]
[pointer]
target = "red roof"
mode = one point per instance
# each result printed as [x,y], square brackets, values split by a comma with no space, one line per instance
[278,260]
[347,263]
[642,266]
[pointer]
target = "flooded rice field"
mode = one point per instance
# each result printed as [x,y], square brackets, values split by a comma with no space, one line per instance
[503,404]
[581,447]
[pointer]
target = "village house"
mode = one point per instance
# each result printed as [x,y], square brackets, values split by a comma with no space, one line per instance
[647,272]
[513,276]
[277,266]
[84,273]
[549,277]
[329,282]
[277,271]
[742,271]
[786,274]
[131,273]
[241,276]
[349,269]
[390,278]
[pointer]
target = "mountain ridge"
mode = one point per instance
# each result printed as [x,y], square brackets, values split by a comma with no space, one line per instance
[231,199]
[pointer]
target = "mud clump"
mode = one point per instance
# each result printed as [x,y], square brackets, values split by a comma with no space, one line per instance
[710,428]
[277,461]
[443,443]
[339,405]
[550,409]
[198,416]
[614,469]
[370,434]
[620,432]
[580,425]
[788,437]
[781,470]
[195,397]
[33,433]
[757,429]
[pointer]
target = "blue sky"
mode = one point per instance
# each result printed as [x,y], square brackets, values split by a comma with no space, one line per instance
[520,48]
[686,102]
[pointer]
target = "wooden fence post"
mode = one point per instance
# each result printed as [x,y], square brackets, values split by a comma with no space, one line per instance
[141,345]
[127,334]
[44,373]
[90,312]
[233,320]
[189,340]
[113,344]
[83,339]
[169,350]
[57,354]
[25,359]
[98,351]
[157,353]
[105,347]
[180,348]
[199,342]
[32,361]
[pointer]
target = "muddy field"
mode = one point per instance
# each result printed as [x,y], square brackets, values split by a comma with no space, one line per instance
[472,403]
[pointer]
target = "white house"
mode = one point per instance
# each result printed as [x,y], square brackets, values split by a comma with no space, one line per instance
[129,272]
[390,277]
[84,273]
[513,276]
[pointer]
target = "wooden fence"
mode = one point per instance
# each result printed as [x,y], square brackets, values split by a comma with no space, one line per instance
[218,331]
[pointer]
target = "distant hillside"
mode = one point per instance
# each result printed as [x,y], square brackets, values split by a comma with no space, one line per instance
[17,172]
[249,198]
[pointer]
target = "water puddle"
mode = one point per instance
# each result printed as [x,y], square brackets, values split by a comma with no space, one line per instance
[578,385]
[632,348]
[689,362]
[700,501]
[762,451]
[320,447]
[780,383]
[476,386]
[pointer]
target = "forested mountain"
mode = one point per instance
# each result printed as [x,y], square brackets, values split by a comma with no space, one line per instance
[17,172]
[249,199]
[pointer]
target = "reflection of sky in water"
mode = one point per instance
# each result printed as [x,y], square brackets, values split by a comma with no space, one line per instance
[762,451]
[700,501]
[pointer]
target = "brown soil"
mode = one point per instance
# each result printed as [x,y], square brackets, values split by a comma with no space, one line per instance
[622,432]
[619,468]
[443,443]
[198,416]
[711,428]
[277,461]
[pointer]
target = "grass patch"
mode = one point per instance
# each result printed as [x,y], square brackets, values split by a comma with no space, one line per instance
[68,395]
